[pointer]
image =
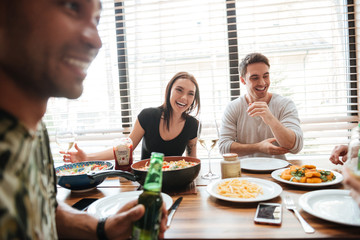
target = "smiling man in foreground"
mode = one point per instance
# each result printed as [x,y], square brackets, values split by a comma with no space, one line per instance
[260,123]
[46,47]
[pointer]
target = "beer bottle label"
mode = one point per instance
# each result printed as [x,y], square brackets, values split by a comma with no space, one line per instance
[147,227]
[136,234]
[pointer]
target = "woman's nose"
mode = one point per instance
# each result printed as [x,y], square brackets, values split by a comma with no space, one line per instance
[183,96]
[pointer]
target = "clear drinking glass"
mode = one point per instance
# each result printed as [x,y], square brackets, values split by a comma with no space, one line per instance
[208,136]
[353,157]
[65,138]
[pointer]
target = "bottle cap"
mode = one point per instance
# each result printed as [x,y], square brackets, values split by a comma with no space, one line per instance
[157,155]
[230,156]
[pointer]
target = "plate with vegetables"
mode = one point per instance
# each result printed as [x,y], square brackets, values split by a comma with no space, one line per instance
[307,176]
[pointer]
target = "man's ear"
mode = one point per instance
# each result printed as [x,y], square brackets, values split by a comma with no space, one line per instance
[242,80]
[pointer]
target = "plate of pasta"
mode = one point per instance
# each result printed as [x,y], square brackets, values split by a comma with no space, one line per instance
[307,176]
[244,189]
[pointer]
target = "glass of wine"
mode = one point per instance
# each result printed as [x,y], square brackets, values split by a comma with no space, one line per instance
[65,138]
[208,136]
[353,155]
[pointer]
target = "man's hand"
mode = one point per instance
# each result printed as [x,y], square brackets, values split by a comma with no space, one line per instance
[262,110]
[337,152]
[353,182]
[119,226]
[268,147]
[285,137]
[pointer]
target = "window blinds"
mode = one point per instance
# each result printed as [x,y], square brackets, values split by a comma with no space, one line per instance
[312,50]
[312,47]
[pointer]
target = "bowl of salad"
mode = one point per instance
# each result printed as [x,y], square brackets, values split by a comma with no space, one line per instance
[178,171]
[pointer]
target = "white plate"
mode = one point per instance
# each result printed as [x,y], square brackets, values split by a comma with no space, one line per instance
[276,175]
[262,164]
[331,205]
[108,206]
[270,190]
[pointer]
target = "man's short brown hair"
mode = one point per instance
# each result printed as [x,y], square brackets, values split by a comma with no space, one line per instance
[250,59]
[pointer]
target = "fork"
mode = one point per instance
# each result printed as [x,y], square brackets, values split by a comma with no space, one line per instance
[289,203]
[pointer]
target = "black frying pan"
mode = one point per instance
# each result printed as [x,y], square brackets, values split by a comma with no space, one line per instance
[172,179]
[83,181]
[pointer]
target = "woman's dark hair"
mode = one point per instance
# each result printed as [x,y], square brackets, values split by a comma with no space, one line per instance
[166,106]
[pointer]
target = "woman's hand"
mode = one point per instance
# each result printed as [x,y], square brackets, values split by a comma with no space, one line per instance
[337,152]
[75,157]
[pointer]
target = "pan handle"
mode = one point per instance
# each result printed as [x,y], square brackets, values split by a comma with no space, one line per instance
[112,173]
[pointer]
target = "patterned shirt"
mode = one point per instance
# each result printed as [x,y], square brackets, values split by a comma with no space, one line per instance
[27,182]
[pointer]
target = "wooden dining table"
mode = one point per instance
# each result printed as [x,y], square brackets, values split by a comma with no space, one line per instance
[201,216]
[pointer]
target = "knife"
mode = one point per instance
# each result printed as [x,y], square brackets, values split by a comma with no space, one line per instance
[172,210]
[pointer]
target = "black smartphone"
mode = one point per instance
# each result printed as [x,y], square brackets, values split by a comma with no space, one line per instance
[84,203]
[268,213]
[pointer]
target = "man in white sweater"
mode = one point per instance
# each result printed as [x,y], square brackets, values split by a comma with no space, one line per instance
[260,123]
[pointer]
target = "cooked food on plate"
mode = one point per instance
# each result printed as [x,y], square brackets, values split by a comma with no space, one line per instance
[81,169]
[236,188]
[172,165]
[307,174]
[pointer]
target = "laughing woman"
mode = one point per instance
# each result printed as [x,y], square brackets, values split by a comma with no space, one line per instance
[168,129]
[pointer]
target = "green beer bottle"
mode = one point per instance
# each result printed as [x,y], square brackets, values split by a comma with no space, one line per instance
[148,226]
